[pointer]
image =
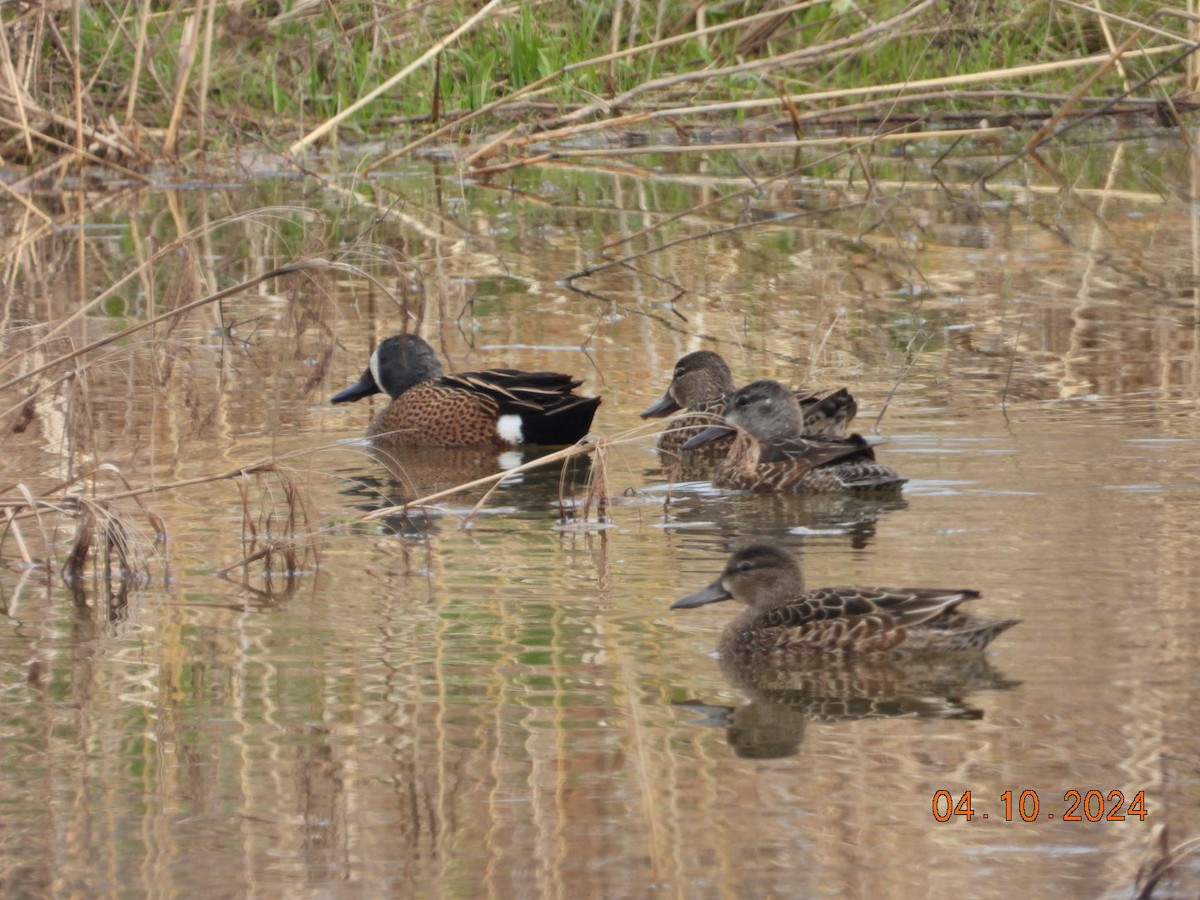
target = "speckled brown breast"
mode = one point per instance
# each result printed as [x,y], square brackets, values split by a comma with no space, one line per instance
[683,428]
[439,415]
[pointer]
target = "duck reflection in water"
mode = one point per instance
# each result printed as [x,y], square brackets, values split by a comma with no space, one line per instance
[854,516]
[413,473]
[785,698]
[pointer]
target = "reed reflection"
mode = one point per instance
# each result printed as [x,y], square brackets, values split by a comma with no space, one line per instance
[784,697]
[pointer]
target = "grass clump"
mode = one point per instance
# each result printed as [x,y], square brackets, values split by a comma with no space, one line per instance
[181,79]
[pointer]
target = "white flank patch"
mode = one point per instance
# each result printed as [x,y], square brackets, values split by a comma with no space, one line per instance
[509,429]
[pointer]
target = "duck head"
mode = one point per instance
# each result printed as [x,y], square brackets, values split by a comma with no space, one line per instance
[400,362]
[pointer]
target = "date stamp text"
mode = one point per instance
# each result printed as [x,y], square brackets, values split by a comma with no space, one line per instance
[1026,806]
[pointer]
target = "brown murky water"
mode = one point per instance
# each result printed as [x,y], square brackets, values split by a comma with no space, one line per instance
[502,705]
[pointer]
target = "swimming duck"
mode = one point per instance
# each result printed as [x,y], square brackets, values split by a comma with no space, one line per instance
[784,618]
[494,407]
[702,384]
[770,452]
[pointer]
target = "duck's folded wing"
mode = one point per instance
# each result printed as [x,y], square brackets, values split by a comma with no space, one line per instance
[819,451]
[515,390]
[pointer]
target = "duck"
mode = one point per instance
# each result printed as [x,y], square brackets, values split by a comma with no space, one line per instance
[490,408]
[771,453]
[702,384]
[784,618]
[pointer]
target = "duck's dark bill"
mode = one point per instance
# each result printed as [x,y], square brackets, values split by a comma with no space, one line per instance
[365,388]
[663,407]
[714,593]
[708,434]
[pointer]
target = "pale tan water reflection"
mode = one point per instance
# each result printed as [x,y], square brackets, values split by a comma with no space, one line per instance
[508,708]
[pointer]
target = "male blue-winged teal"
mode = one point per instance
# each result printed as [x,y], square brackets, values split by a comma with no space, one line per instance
[494,407]
[702,385]
[771,453]
[784,618]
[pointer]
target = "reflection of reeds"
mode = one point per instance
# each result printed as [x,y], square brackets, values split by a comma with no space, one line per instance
[1161,859]
[273,530]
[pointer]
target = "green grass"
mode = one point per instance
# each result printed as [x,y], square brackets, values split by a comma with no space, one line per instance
[275,76]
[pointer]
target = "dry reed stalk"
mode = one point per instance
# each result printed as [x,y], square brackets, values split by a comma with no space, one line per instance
[1146,25]
[951,81]
[19,94]
[94,518]
[210,16]
[390,83]
[716,180]
[1112,46]
[117,539]
[33,177]
[29,205]
[1044,132]
[584,447]
[847,112]
[111,142]
[486,151]
[28,109]
[653,47]
[597,486]
[155,520]
[77,81]
[139,54]
[520,93]
[522,163]
[183,73]
[614,38]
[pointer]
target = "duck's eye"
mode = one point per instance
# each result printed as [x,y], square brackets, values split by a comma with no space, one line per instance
[678,371]
[741,400]
[745,565]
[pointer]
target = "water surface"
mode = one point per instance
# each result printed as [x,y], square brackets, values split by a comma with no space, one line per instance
[496,701]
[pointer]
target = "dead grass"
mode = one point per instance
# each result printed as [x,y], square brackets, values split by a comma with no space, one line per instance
[175,81]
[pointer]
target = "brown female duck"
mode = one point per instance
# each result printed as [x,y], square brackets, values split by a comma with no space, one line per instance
[784,618]
[494,407]
[771,452]
[702,385]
